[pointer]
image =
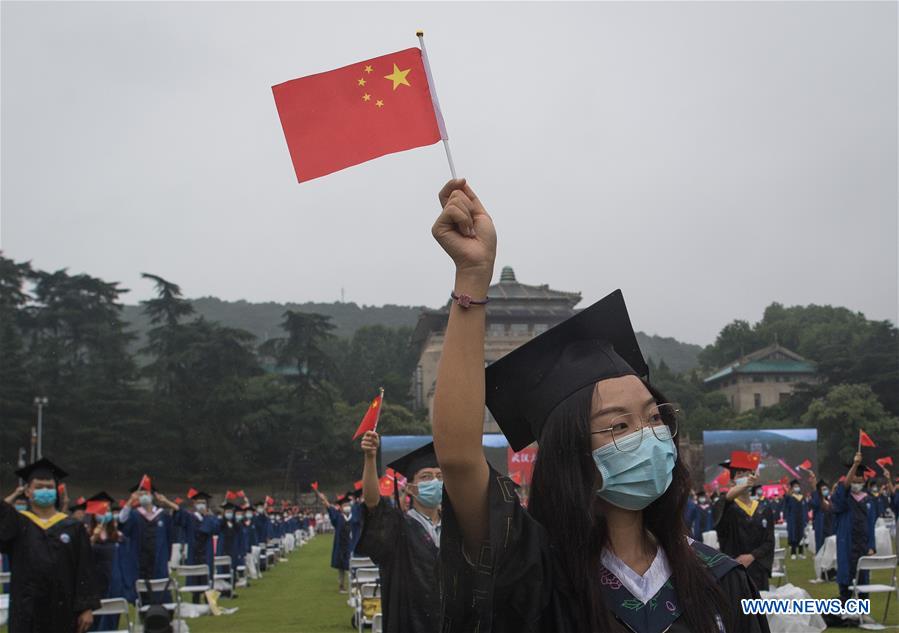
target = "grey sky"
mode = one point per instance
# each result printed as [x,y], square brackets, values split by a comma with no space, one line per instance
[707,158]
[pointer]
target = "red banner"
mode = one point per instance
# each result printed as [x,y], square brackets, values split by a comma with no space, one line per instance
[522,463]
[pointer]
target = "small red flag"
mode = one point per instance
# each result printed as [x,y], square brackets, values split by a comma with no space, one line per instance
[865,440]
[230,496]
[315,485]
[241,494]
[193,492]
[884,461]
[97,507]
[385,484]
[145,483]
[336,119]
[370,420]
[357,485]
[805,465]
[61,490]
[269,501]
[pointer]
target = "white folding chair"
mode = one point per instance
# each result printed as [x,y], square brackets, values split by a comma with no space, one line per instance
[115,606]
[5,578]
[193,578]
[779,567]
[361,576]
[377,623]
[155,585]
[367,591]
[223,579]
[869,564]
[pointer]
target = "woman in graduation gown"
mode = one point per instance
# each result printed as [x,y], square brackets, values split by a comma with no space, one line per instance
[602,545]
[342,548]
[822,514]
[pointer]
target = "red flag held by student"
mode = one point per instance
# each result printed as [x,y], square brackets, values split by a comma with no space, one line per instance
[385,484]
[145,483]
[97,507]
[865,440]
[372,415]
[805,465]
[883,462]
[315,485]
[357,485]
[193,492]
[344,117]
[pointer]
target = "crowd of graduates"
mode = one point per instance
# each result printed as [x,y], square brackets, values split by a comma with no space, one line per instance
[65,556]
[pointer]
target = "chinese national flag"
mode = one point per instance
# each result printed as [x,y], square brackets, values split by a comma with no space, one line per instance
[865,440]
[315,485]
[144,483]
[805,465]
[357,485]
[370,421]
[347,116]
[230,496]
[386,485]
[883,462]
[97,507]
[193,492]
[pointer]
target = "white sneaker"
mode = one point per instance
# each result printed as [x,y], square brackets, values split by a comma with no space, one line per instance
[792,556]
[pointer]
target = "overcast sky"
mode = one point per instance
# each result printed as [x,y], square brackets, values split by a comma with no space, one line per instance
[707,158]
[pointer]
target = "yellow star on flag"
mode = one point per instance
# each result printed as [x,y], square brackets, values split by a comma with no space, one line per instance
[366,97]
[362,82]
[368,69]
[379,103]
[398,77]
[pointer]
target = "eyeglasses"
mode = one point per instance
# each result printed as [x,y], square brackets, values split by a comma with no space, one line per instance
[661,420]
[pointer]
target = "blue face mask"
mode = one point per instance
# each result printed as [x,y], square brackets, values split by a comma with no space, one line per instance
[106,518]
[430,493]
[825,492]
[634,479]
[21,507]
[44,497]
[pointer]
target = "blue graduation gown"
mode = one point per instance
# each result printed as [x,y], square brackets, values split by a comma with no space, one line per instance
[198,532]
[844,513]
[343,539]
[690,513]
[149,544]
[703,521]
[115,577]
[796,516]
[229,543]
[822,520]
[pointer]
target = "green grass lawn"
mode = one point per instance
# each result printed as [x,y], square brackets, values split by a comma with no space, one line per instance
[299,596]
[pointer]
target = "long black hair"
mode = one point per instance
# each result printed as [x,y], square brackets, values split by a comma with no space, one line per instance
[563,499]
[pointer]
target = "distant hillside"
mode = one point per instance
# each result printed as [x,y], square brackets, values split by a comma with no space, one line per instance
[264,320]
[680,357]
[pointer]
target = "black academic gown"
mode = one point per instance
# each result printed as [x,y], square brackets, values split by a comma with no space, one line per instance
[407,557]
[517,584]
[740,533]
[52,572]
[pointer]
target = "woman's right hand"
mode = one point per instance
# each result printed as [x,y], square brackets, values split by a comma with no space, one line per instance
[465,230]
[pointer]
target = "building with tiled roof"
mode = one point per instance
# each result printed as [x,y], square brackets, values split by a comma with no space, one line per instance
[516,313]
[763,378]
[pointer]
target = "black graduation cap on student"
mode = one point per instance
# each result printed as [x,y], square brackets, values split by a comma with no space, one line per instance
[103,496]
[229,506]
[42,469]
[412,462]
[525,386]
[347,498]
[78,504]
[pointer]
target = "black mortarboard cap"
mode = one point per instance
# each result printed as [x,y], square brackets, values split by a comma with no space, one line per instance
[411,463]
[103,496]
[525,386]
[345,498]
[42,469]
[78,504]
[228,506]
[199,496]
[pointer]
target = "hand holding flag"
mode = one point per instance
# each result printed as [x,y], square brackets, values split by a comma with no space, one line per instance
[883,462]
[805,465]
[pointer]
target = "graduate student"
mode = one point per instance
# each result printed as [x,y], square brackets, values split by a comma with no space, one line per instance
[822,512]
[602,545]
[229,541]
[149,529]
[341,515]
[703,520]
[745,527]
[77,509]
[854,517]
[405,545]
[113,577]
[796,516]
[50,555]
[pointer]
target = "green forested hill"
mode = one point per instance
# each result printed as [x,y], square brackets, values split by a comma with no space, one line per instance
[264,321]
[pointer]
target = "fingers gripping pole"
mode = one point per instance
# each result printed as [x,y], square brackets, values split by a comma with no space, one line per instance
[437,112]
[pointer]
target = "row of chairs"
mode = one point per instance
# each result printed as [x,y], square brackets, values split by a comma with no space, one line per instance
[365,594]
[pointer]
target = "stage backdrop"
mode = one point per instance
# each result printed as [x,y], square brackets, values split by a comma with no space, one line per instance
[782,450]
[495,448]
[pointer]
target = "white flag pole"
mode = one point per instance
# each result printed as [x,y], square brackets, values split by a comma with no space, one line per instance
[440,124]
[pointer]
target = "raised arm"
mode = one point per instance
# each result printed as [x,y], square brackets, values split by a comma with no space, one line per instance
[371,488]
[466,233]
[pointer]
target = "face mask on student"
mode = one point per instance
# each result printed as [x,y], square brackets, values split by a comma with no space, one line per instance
[741,481]
[875,490]
[430,493]
[145,500]
[634,479]
[21,507]
[856,488]
[703,501]
[825,492]
[229,515]
[250,515]
[106,518]
[346,510]
[796,490]
[238,517]
[201,507]
[44,497]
